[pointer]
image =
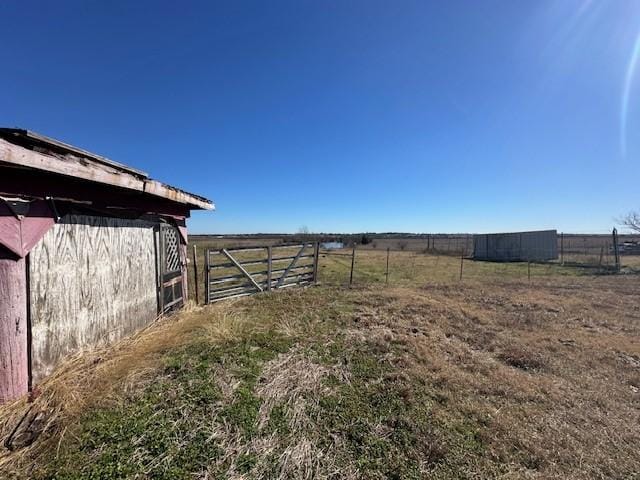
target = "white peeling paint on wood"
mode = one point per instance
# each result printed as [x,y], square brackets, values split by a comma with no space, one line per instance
[92,281]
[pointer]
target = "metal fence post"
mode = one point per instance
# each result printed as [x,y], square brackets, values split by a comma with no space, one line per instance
[195,274]
[387,272]
[269,267]
[206,276]
[353,261]
[601,255]
[616,248]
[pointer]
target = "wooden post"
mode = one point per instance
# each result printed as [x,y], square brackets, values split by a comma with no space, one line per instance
[353,261]
[461,263]
[387,272]
[269,266]
[206,276]
[561,248]
[529,271]
[316,259]
[14,349]
[195,274]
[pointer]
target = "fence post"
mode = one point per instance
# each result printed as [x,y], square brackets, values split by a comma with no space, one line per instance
[269,262]
[195,274]
[206,276]
[529,270]
[461,263]
[561,248]
[353,261]
[601,254]
[387,272]
[616,250]
[316,259]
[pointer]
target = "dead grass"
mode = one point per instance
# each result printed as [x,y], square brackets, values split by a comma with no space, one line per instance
[541,369]
[503,378]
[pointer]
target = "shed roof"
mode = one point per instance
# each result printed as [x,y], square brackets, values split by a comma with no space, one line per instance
[27,149]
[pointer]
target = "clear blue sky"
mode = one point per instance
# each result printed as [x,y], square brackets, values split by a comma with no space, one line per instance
[443,116]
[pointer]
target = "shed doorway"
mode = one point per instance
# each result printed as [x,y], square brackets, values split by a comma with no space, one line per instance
[171,265]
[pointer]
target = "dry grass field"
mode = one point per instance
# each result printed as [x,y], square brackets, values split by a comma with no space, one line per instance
[494,376]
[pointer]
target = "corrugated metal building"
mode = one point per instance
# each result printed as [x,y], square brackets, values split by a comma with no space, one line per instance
[90,251]
[536,246]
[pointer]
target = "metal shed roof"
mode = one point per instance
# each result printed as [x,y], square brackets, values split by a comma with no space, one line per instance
[27,149]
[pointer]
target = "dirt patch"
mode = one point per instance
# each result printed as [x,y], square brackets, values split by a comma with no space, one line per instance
[522,358]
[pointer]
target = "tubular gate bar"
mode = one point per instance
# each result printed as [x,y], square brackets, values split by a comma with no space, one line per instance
[241,271]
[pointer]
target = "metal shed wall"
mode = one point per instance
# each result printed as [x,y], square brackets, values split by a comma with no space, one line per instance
[92,281]
[517,246]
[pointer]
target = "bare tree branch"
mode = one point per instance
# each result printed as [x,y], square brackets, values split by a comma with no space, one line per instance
[631,220]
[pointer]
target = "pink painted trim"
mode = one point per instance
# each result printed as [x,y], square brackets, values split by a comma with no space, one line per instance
[21,235]
[14,362]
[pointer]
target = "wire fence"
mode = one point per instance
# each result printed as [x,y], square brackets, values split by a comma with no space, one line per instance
[363,266]
[589,251]
[441,259]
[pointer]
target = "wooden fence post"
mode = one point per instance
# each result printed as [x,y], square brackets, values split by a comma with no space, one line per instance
[316,259]
[529,271]
[195,274]
[353,261]
[561,248]
[387,272]
[461,263]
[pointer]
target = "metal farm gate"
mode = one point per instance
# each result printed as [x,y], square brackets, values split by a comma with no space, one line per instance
[236,272]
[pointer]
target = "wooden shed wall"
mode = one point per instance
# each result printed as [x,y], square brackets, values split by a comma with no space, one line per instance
[92,281]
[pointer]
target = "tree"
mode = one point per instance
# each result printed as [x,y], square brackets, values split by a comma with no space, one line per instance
[304,230]
[632,221]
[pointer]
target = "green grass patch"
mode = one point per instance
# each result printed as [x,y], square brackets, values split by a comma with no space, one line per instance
[370,418]
[168,429]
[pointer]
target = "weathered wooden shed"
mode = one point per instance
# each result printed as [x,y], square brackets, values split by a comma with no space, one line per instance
[90,251]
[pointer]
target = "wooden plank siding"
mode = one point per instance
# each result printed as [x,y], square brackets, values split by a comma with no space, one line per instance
[92,281]
[14,368]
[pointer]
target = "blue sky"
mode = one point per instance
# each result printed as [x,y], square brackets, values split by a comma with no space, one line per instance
[456,116]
